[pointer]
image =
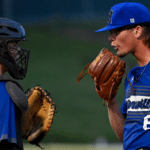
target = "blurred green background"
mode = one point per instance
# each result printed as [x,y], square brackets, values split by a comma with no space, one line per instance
[62,40]
[56,59]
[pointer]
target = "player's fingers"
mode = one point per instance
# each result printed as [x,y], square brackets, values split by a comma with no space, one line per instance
[96,84]
[95,79]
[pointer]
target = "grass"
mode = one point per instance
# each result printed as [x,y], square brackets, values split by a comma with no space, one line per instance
[116,146]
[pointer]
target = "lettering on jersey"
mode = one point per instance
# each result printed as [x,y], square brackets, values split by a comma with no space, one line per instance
[143,104]
[138,103]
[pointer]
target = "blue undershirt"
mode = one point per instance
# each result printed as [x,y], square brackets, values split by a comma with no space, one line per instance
[7,116]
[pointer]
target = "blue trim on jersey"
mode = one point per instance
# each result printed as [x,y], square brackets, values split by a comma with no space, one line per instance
[136,108]
[7,116]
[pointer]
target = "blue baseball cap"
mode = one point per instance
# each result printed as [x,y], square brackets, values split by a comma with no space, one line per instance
[127,13]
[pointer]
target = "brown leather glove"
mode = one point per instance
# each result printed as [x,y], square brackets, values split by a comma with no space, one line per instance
[38,119]
[109,70]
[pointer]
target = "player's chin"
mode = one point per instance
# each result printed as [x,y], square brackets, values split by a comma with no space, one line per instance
[121,54]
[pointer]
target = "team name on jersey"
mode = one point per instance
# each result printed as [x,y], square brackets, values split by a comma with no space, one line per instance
[138,103]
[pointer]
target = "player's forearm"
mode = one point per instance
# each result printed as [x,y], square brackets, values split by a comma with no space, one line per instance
[116,119]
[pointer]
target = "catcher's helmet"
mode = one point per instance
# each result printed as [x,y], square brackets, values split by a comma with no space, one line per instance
[11,31]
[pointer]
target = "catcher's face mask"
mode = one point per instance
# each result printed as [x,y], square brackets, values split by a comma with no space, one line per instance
[11,55]
[19,57]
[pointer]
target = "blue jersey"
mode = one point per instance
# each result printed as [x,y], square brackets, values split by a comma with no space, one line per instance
[136,109]
[7,116]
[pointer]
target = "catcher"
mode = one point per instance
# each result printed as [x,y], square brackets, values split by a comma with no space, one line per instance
[129,26]
[19,118]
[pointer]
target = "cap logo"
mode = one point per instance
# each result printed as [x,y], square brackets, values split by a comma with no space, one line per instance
[132,20]
[110,16]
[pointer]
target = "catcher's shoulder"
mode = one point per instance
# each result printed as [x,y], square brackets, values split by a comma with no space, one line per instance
[16,92]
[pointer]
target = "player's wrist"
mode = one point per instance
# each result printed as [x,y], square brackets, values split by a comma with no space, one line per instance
[111,102]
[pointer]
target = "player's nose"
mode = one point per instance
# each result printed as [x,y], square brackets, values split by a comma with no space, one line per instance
[111,37]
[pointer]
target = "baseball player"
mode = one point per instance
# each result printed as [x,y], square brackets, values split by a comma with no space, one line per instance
[129,26]
[13,101]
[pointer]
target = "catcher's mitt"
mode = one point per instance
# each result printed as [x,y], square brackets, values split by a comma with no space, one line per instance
[109,70]
[38,119]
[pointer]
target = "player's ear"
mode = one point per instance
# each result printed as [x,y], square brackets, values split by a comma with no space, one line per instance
[138,32]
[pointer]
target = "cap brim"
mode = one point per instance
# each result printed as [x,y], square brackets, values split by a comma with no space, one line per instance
[109,27]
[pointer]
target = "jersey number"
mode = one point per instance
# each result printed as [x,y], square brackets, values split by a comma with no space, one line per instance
[146,124]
